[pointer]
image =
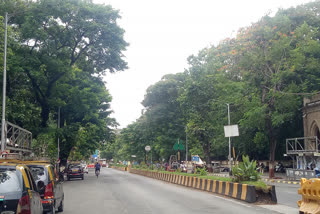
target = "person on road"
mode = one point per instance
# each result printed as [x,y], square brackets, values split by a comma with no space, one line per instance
[97,167]
[317,172]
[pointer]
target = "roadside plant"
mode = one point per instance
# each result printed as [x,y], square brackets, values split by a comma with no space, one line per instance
[201,171]
[245,171]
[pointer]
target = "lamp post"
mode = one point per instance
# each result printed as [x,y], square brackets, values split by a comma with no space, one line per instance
[3,121]
[230,165]
[186,144]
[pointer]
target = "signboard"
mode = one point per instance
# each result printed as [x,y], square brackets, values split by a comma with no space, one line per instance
[231,131]
[134,156]
[178,146]
[147,148]
[195,158]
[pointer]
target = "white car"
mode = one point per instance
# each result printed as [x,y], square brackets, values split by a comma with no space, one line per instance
[85,168]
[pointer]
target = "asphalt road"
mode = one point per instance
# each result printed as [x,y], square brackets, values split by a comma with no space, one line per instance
[287,194]
[117,192]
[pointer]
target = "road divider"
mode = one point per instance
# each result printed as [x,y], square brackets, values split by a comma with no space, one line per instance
[310,192]
[239,191]
[121,168]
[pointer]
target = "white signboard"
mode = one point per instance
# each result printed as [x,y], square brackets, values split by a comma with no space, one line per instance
[147,148]
[231,131]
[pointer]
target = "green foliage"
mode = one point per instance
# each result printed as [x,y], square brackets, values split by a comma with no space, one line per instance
[201,171]
[45,146]
[57,54]
[245,171]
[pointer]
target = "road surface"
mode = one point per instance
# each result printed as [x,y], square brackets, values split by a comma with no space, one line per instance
[287,194]
[117,192]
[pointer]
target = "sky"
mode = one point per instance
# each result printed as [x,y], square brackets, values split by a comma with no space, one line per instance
[163,33]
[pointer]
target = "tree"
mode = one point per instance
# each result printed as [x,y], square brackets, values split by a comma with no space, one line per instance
[57,36]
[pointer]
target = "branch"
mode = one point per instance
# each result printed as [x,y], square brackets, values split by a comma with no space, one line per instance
[50,84]
[291,93]
[36,87]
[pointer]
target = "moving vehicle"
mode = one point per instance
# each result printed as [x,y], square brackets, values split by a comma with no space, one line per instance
[85,168]
[75,171]
[97,173]
[103,162]
[49,186]
[18,191]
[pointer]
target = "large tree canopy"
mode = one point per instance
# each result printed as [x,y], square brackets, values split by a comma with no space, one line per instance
[263,73]
[58,53]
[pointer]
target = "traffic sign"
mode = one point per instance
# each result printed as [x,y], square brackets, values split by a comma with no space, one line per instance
[147,148]
[178,145]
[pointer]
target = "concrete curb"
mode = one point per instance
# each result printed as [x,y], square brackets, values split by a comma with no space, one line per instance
[282,182]
[239,191]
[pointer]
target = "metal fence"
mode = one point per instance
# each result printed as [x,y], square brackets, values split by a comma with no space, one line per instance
[297,174]
[18,139]
[302,144]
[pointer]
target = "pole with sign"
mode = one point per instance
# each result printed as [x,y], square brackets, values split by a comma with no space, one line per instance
[148,148]
[230,131]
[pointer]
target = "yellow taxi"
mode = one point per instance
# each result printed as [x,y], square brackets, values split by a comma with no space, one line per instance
[18,191]
[49,186]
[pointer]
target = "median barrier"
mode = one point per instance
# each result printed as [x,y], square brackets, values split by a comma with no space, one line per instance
[90,166]
[120,168]
[239,191]
[310,192]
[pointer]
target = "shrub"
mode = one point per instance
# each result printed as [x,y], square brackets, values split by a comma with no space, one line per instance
[201,171]
[245,171]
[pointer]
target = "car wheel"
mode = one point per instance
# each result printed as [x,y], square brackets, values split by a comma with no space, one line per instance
[60,208]
[53,210]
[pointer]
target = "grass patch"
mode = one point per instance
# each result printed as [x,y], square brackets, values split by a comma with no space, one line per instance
[258,184]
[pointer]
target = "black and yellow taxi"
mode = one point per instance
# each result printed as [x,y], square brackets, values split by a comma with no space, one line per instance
[49,186]
[75,171]
[18,191]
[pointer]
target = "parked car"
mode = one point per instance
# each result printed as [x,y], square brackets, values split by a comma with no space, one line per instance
[217,168]
[75,171]
[18,191]
[49,186]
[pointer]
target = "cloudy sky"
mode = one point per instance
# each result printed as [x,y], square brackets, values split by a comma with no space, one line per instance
[163,33]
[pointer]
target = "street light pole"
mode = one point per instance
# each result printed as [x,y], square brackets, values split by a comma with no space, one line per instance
[58,135]
[230,165]
[3,121]
[186,145]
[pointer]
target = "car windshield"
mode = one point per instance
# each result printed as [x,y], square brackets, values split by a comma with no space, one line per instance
[38,173]
[75,167]
[10,181]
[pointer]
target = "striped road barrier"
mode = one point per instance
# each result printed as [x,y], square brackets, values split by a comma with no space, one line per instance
[310,192]
[239,191]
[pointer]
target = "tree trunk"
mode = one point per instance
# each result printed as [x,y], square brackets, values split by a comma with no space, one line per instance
[45,110]
[272,144]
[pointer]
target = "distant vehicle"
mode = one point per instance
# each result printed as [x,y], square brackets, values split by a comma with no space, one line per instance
[75,171]
[18,191]
[85,168]
[49,186]
[103,162]
[217,168]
